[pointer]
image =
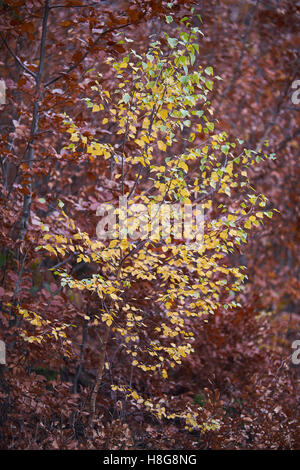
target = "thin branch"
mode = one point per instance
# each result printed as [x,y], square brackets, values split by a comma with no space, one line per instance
[17,288]
[239,63]
[61,263]
[81,360]
[76,6]
[72,67]
[99,375]
[34,124]
[136,182]
[43,42]
[285,141]
[17,58]
[277,109]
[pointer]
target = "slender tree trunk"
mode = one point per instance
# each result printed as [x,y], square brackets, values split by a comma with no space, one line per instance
[34,124]
[99,375]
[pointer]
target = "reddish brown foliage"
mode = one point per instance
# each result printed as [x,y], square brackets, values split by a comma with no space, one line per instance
[241,371]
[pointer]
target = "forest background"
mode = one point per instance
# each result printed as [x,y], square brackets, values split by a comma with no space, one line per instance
[241,374]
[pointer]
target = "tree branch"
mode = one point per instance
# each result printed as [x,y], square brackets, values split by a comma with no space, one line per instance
[17,58]
[99,375]
[72,67]
[34,124]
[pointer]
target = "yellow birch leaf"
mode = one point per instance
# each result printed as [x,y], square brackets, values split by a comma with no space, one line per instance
[161,145]
[214,176]
[184,166]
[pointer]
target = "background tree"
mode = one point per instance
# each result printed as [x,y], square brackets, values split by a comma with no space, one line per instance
[48,50]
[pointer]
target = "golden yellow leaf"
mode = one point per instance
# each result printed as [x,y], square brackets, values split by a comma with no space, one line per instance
[184,166]
[161,145]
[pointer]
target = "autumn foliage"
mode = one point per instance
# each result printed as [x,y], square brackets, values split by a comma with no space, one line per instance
[149,340]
